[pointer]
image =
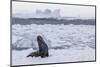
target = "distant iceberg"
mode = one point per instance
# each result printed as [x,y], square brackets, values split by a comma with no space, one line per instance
[47,13]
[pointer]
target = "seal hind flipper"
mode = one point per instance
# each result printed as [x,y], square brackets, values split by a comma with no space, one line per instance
[36,54]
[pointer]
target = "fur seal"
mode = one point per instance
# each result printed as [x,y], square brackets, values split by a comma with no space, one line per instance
[43,49]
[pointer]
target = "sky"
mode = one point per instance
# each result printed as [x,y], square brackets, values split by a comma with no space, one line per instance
[28,9]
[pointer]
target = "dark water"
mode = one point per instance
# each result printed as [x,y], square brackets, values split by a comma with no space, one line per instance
[52,21]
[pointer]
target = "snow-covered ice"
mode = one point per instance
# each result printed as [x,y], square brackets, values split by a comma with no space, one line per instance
[56,56]
[67,43]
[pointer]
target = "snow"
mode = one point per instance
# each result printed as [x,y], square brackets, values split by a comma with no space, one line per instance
[67,43]
[56,56]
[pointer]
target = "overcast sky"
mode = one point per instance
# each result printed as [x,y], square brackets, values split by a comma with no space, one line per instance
[65,10]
